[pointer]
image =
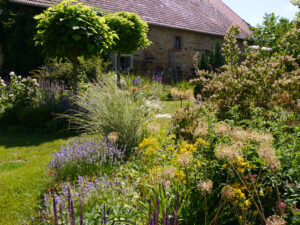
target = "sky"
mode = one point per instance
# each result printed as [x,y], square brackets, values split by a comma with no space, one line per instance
[252,11]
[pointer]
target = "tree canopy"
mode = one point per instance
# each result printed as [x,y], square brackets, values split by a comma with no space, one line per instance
[130,29]
[71,29]
[70,25]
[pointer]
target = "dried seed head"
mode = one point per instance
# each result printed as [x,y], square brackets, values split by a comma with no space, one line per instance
[275,220]
[267,154]
[113,137]
[229,152]
[185,158]
[222,128]
[202,129]
[205,187]
[228,193]
[169,172]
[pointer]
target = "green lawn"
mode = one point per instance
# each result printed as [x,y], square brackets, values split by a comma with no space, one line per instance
[23,159]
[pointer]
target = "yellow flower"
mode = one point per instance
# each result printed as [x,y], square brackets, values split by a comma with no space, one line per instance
[181,175]
[198,164]
[184,181]
[202,142]
[171,148]
[225,166]
[241,170]
[261,193]
[247,203]
[163,156]
[242,195]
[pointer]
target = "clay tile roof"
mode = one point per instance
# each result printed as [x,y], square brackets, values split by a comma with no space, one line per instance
[205,16]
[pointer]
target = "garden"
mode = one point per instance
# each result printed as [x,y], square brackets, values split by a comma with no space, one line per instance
[83,144]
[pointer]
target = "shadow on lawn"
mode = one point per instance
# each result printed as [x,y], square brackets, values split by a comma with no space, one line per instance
[22,139]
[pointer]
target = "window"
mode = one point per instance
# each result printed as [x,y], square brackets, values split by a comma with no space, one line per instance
[159,70]
[126,62]
[177,42]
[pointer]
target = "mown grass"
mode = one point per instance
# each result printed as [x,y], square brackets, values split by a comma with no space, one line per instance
[23,160]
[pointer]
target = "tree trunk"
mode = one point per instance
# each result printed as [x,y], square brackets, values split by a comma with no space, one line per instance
[118,70]
[75,67]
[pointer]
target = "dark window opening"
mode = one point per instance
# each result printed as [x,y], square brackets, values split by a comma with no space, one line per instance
[159,70]
[125,63]
[177,42]
[207,53]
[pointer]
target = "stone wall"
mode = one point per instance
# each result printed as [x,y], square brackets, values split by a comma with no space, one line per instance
[162,55]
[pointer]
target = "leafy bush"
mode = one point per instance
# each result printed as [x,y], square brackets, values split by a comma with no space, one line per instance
[61,72]
[20,91]
[262,80]
[104,108]
[25,105]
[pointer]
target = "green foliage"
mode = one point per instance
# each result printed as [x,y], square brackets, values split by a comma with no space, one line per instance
[21,92]
[212,62]
[17,29]
[230,50]
[261,80]
[270,32]
[68,26]
[60,72]
[131,32]
[23,106]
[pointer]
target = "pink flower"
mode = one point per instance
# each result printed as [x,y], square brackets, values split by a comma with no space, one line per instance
[93,84]
[143,88]
[134,90]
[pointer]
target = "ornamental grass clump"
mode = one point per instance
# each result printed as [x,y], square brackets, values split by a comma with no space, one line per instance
[104,108]
[84,157]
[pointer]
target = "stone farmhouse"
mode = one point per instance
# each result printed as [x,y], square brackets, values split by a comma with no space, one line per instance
[178,30]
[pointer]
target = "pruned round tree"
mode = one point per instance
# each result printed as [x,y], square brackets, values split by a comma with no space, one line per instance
[131,34]
[71,29]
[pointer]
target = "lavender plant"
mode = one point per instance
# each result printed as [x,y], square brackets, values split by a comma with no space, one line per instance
[84,157]
[100,201]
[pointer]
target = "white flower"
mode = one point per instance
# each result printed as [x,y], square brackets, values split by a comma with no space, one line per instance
[76,28]
[12,73]
[19,77]
[34,80]
[11,95]
[254,46]
[266,49]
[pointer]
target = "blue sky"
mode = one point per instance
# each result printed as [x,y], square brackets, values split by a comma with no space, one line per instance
[252,11]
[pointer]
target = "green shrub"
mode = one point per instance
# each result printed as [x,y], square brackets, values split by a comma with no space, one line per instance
[262,80]
[61,72]
[20,91]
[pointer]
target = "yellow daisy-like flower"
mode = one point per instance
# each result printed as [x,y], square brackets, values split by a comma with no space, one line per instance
[241,170]
[261,193]
[247,203]
[171,148]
